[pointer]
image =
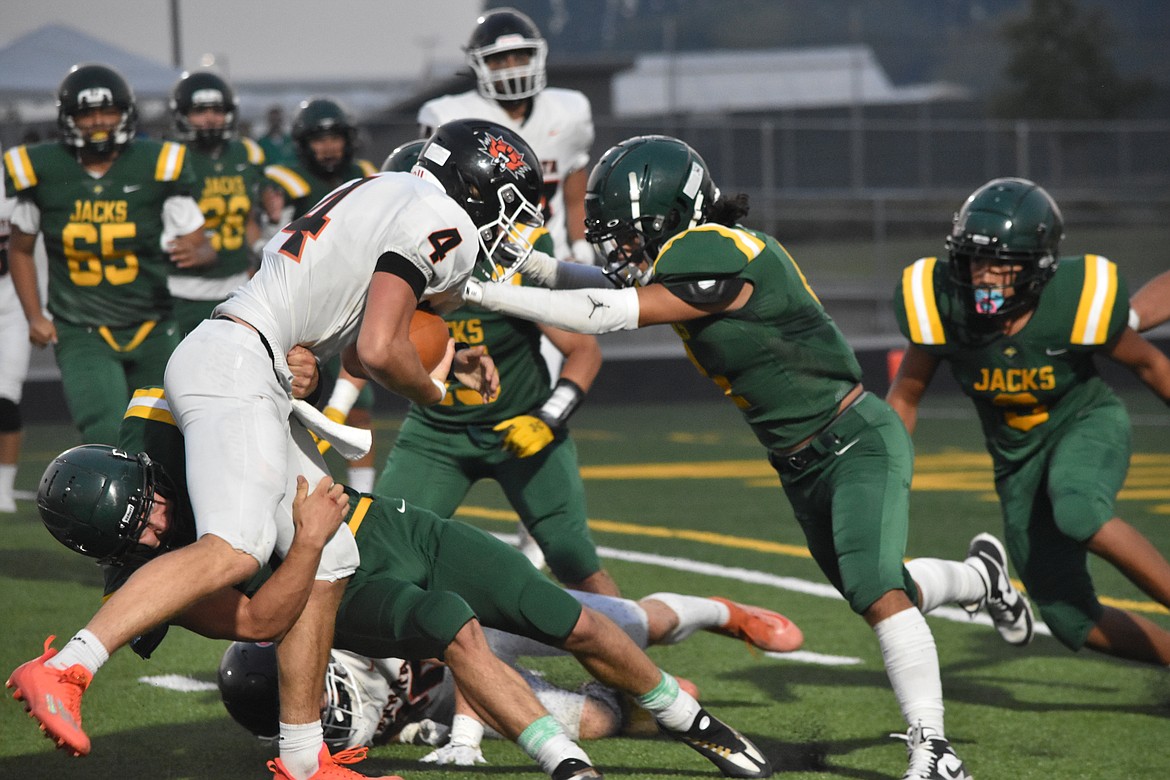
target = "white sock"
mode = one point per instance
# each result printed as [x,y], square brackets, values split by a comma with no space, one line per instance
[85,649]
[945,582]
[547,744]
[674,708]
[300,746]
[694,613]
[629,615]
[361,478]
[7,479]
[911,661]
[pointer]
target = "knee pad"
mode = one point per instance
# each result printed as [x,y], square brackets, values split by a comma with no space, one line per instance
[10,421]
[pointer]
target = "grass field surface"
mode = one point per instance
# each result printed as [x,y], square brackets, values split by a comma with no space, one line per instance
[680,498]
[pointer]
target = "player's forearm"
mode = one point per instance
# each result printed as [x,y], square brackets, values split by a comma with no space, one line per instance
[396,367]
[271,612]
[24,275]
[580,311]
[1152,302]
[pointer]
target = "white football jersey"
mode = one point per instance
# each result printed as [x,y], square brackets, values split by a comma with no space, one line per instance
[312,283]
[559,129]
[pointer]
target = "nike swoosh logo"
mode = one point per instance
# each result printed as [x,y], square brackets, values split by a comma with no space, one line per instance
[131,188]
[846,448]
[401,505]
[1054,352]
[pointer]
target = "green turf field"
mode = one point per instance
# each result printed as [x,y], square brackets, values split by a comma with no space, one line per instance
[671,487]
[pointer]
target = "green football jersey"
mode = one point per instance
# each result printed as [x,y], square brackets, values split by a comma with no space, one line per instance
[303,188]
[514,345]
[1027,385]
[227,190]
[103,235]
[780,358]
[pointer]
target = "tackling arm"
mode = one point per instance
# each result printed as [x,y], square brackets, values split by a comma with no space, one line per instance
[1145,360]
[910,383]
[1151,304]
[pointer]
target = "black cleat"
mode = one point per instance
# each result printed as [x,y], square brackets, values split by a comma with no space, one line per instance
[575,769]
[723,746]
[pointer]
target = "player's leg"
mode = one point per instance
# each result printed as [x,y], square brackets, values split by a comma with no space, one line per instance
[94,383]
[547,492]
[426,467]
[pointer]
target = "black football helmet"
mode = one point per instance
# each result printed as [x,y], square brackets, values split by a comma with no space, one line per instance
[1009,222]
[403,158]
[89,86]
[318,117]
[495,176]
[249,686]
[642,193]
[497,33]
[203,89]
[96,500]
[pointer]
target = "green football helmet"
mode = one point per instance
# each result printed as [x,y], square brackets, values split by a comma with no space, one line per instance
[403,158]
[318,117]
[96,500]
[89,86]
[1008,221]
[203,89]
[641,193]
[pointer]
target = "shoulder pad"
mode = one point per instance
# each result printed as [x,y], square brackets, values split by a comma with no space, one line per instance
[1094,323]
[700,291]
[255,151]
[707,252]
[917,297]
[170,161]
[291,181]
[19,167]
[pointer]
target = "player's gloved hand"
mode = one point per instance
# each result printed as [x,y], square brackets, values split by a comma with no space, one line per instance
[457,754]
[525,435]
[424,732]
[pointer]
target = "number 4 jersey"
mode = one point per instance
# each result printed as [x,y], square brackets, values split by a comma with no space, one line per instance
[103,235]
[312,283]
[1026,385]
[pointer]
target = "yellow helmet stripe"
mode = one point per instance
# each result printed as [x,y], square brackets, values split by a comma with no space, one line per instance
[1097,297]
[920,303]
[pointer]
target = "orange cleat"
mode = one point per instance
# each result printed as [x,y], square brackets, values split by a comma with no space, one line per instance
[331,767]
[769,631]
[53,697]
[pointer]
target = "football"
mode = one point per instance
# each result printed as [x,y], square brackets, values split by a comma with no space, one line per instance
[429,335]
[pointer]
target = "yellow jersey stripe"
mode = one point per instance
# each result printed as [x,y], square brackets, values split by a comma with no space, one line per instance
[368,168]
[359,514]
[1096,305]
[20,168]
[920,303]
[150,404]
[745,242]
[255,151]
[170,161]
[292,182]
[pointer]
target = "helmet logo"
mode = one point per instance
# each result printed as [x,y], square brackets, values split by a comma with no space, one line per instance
[504,156]
[207,97]
[95,96]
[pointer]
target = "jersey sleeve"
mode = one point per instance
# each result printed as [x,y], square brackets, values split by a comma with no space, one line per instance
[1103,307]
[916,304]
[291,182]
[582,131]
[254,151]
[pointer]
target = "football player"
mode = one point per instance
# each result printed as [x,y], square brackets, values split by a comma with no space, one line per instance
[752,324]
[507,54]
[377,700]
[519,438]
[117,216]
[228,170]
[345,277]
[325,139]
[14,355]
[421,590]
[1020,326]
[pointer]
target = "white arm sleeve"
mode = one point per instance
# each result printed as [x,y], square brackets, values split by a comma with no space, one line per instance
[181,215]
[592,310]
[547,271]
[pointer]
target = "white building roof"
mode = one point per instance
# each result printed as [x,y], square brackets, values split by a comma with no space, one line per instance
[763,80]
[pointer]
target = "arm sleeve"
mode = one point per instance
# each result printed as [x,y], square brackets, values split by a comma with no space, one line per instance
[181,215]
[580,311]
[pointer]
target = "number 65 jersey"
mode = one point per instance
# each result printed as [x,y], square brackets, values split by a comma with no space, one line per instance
[312,283]
[1025,386]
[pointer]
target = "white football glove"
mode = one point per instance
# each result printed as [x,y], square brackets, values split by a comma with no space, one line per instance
[452,753]
[424,732]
